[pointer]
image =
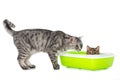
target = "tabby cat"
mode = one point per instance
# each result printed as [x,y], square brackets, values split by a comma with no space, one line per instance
[93,51]
[30,41]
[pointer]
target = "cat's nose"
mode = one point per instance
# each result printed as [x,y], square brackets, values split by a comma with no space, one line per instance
[79,49]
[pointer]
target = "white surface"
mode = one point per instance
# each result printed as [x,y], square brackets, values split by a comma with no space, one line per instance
[97,20]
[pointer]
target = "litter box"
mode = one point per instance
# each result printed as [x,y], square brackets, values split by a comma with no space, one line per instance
[81,60]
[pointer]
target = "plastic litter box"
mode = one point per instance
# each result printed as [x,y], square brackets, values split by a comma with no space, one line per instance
[81,60]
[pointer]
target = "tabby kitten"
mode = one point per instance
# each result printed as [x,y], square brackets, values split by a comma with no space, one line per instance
[30,41]
[92,51]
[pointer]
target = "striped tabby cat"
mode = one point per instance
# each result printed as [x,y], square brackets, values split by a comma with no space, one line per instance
[93,51]
[30,41]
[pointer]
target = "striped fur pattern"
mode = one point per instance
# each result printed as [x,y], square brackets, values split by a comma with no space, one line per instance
[30,41]
[93,51]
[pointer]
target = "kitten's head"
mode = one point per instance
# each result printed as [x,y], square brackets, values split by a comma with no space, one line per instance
[92,51]
[72,42]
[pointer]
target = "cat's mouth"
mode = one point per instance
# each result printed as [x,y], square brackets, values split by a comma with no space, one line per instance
[78,49]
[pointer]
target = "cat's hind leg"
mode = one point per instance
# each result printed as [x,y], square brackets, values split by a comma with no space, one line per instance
[24,50]
[21,60]
[24,62]
[27,62]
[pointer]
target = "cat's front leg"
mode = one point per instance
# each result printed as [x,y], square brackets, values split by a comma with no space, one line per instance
[54,60]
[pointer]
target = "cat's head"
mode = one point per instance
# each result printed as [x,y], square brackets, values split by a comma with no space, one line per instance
[74,43]
[92,51]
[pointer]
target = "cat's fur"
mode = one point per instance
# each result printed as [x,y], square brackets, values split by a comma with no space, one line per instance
[30,41]
[93,51]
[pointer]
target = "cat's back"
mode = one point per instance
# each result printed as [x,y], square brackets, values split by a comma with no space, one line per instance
[32,32]
[35,38]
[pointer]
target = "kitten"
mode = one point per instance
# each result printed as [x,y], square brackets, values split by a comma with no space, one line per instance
[92,51]
[30,41]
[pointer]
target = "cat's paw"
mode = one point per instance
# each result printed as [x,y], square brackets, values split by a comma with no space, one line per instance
[28,67]
[32,66]
[25,68]
[56,67]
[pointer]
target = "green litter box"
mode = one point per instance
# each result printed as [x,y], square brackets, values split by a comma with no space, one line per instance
[81,60]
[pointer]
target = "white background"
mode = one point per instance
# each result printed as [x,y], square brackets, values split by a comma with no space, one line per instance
[97,20]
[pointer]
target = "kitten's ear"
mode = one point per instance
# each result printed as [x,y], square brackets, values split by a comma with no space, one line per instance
[97,48]
[88,47]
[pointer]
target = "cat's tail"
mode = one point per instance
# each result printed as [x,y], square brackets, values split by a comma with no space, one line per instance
[8,26]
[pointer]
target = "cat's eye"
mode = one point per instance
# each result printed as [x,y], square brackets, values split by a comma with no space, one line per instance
[77,46]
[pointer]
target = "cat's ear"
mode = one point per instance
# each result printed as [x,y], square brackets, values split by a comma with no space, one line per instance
[80,37]
[88,48]
[72,39]
[97,48]
[66,36]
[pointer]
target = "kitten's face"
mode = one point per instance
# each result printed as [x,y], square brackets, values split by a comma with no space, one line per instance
[74,43]
[92,51]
